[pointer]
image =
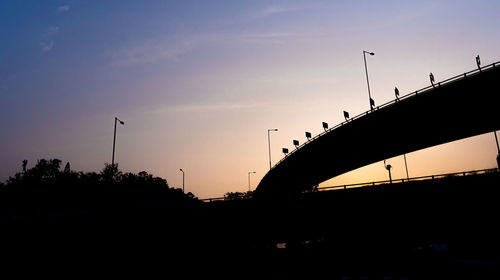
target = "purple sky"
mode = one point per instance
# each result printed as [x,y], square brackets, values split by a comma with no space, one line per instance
[198,83]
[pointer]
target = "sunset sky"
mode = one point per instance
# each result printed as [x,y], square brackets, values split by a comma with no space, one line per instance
[198,83]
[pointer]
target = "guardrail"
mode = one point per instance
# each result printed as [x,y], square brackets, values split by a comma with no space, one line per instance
[376,183]
[406,180]
[420,91]
[213,199]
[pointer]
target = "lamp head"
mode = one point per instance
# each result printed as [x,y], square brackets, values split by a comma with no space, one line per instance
[372,53]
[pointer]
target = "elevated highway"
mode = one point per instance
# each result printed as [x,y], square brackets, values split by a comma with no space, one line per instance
[463,106]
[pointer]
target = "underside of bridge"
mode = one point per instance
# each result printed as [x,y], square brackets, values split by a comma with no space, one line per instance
[465,107]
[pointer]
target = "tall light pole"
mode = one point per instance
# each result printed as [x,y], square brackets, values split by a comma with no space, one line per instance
[406,166]
[249,179]
[498,148]
[114,141]
[269,144]
[372,103]
[182,179]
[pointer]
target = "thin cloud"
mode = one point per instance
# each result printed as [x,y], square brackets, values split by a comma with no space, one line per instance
[159,49]
[47,42]
[270,35]
[63,9]
[267,38]
[278,37]
[200,108]
[52,30]
[150,51]
[47,46]
[277,9]
[154,50]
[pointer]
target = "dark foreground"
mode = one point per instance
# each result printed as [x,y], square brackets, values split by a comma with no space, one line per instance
[441,229]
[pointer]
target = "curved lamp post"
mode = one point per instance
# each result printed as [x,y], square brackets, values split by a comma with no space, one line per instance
[269,144]
[372,102]
[182,179]
[249,179]
[114,140]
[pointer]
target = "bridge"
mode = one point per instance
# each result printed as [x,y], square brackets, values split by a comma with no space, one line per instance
[462,106]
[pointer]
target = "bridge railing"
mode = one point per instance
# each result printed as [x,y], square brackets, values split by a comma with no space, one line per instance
[385,182]
[411,94]
[213,199]
[405,180]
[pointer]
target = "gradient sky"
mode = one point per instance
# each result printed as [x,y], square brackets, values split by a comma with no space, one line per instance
[198,83]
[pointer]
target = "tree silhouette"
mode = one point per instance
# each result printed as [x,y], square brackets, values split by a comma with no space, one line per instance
[25,162]
[44,172]
[46,178]
[67,168]
[110,173]
[238,195]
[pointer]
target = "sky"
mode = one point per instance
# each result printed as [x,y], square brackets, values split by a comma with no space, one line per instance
[198,83]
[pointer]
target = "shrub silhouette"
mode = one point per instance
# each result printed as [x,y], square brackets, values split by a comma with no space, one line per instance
[47,179]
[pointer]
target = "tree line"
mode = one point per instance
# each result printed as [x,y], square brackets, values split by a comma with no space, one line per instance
[47,177]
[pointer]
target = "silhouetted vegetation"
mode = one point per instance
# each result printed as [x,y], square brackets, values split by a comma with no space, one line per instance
[238,195]
[46,179]
[404,229]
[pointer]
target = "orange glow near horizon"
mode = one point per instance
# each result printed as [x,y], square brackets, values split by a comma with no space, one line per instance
[198,87]
[474,153]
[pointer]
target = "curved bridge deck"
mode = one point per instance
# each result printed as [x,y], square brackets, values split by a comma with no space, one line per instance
[460,107]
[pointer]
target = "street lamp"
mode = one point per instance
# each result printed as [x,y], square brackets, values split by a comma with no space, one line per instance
[388,167]
[346,115]
[182,179]
[249,179]
[114,141]
[372,102]
[269,144]
[308,135]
